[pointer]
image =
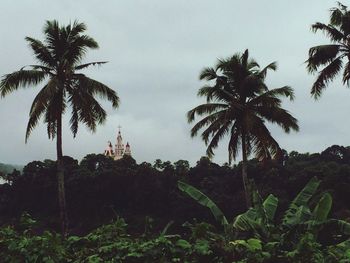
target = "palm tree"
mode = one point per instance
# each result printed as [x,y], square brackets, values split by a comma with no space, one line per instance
[59,59]
[238,104]
[332,56]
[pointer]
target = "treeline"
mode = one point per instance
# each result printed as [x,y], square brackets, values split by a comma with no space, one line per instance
[100,189]
[8,168]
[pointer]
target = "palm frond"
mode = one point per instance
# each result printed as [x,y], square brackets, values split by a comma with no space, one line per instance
[216,93]
[334,34]
[206,121]
[321,55]
[97,115]
[219,134]
[41,52]
[76,28]
[346,73]
[48,70]
[264,145]
[336,15]
[85,109]
[78,48]
[207,108]
[271,66]
[21,78]
[74,120]
[234,143]
[83,66]
[279,116]
[271,97]
[207,74]
[45,94]
[52,38]
[244,58]
[55,109]
[325,76]
[97,88]
[40,105]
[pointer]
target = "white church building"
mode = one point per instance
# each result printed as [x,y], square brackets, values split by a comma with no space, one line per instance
[120,150]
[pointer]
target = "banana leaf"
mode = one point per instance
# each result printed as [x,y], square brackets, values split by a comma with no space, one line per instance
[203,200]
[248,222]
[301,200]
[323,208]
[270,206]
[340,225]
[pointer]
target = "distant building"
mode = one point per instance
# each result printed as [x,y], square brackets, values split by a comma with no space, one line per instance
[119,150]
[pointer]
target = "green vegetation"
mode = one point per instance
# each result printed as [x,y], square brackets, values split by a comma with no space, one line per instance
[294,215]
[304,232]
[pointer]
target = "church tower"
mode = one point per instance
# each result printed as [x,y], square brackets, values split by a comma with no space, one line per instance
[109,150]
[127,149]
[119,147]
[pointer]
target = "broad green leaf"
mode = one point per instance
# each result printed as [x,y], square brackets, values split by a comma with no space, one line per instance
[202,247]
[203,200]
[184,244]
[254,244]
[300,200]
[247,222]
[341,225]
[270,206]
[302,214]
[323,207]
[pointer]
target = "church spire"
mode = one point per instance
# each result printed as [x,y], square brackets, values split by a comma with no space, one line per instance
[127,149]
[109,150]
[119,147]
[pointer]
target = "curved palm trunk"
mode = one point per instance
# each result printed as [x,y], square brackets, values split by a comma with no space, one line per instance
[60,179]
[245,174]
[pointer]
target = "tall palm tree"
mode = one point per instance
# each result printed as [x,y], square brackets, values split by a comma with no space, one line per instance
[332,56]
[238,105]
[59,59]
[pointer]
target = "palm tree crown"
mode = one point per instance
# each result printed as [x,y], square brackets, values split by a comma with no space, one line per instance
[238,104]
[59,59]
[334,55]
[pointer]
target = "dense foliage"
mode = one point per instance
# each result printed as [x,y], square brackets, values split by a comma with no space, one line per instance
[101,190]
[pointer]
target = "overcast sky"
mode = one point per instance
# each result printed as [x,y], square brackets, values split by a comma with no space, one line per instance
[156,50]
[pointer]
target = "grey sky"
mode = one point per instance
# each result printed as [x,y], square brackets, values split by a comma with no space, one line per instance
[156,50]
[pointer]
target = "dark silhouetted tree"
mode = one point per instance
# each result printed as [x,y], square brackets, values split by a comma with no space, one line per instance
[238,103]
[331,56]
[59,59]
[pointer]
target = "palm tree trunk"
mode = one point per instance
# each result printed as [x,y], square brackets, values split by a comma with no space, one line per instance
[60,179]
[245,174]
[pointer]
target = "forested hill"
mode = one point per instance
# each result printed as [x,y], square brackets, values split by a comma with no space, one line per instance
[8,168]
[99,188]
